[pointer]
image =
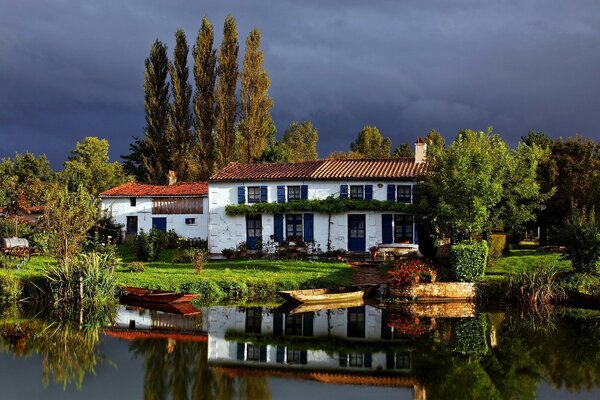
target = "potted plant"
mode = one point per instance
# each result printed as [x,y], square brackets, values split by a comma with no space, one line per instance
[228,253]
[242,249]
[373,250]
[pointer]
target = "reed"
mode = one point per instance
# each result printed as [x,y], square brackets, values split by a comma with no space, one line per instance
[537,288]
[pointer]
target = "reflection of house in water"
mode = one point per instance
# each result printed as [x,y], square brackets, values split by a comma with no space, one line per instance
[138,323]
[358,339]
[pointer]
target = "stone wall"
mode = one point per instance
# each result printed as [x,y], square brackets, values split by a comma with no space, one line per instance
[447,309]
[436,291]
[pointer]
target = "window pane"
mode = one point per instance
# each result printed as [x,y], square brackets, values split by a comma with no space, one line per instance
[254,194]
[293,192]
[293,226]
[356,192]
[403,228]
[293,325]
[404,193]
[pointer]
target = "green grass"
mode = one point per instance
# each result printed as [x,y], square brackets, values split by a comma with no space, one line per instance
[523,260]
[246,279]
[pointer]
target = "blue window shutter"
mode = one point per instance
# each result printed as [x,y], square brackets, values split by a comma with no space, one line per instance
[263,194]
[281,193]
[278,227]
[387,233]
[343,191]
[241,194]
[304,192]
[368,192]
[278,324]
[368,360]
[391,192]
[307,324]
[280,354]
[309,227]
[263,353]
[241,347]
[416,228]
[303,357]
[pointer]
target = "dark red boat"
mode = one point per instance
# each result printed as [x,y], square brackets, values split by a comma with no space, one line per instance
[157,296]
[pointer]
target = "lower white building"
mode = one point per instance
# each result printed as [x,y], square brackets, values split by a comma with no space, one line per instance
[182,207]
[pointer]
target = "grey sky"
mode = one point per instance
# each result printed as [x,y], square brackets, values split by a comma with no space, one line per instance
[70,69]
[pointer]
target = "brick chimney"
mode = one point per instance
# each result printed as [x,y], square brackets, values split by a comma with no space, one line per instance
[171,178]
[420,150]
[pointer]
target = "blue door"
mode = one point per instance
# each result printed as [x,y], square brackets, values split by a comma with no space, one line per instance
[356,232]
[160,224]
[253,230]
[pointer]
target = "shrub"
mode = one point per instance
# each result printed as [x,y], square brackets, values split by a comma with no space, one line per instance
[583,283]
[9,227]
[468,261]
[537,288]
[498,245]
[469,335]
[581,237]
[10,287]
[144,251]
[407,272]
[200,259]
[136,266]
[41,241]
[234,290]
[228,253]
[208,290]
[184,255]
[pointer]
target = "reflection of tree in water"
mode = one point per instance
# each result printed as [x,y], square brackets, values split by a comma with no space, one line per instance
[180,370]
[567,356]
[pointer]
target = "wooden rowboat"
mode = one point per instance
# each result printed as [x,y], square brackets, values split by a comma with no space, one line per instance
[329,295]
[184,309]
[156,296]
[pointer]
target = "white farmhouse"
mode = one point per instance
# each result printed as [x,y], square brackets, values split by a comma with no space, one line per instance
[390,179]
[179,206]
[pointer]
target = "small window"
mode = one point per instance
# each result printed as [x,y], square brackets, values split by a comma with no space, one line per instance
[293,325]
[355,359]
[253,352]
[190,221]
[132,201]
[402,360]
[404,193]
[254,194]
[253,320]
[357,192]
[293,193]
[294,356]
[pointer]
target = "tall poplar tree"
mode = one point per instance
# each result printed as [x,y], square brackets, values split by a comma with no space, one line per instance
[226,101]
[158,142]
[181,117]
[205,74]
[255,103]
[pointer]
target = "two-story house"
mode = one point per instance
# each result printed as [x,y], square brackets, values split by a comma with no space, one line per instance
[181,207]
[384,180]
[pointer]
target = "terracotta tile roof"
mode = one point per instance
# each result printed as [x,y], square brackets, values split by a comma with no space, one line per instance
[329,169]
[134,189]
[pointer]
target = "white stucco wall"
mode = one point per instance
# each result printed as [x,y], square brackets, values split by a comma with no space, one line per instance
[119,208]
[227,232]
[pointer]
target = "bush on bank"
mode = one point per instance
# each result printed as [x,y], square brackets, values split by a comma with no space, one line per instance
[468,261]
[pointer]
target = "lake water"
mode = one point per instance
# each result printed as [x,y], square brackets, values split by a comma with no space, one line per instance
[408,352]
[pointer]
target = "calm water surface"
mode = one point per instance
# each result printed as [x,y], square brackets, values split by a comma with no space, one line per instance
[443,352]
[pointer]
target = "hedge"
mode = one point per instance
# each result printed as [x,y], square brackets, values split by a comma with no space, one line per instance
[468,261]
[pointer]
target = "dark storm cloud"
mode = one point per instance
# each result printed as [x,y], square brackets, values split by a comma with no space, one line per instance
[70,69]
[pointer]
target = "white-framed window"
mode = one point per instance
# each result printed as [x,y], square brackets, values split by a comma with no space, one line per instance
[254,194]
[404,193]
[293,193]
[357,192]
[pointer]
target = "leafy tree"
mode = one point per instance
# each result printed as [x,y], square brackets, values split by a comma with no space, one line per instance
[205,74]
[581,236]
[538,138]
[183,163]
[404,150]
[434,138]
[89,167]
[157,149]
[68,218]
[572,170]
[226,87]
[276,151]
[371,144]
[300,141]
[465,183]
[345,155]
[255,103]
[133,163]
[25,174]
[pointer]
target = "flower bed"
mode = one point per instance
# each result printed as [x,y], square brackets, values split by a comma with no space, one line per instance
[409,272]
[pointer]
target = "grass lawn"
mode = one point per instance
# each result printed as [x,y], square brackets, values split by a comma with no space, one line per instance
[523,259]
[232,279]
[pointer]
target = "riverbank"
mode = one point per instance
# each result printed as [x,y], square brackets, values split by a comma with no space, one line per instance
[232,280]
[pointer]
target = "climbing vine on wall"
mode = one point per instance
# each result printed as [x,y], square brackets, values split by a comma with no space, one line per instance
[333,205]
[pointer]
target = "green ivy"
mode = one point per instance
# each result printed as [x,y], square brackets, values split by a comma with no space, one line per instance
[333,205]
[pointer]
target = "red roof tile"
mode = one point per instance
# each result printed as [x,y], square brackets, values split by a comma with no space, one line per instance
[329,169]
[134,189]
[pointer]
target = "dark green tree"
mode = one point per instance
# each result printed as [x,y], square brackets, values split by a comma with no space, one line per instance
[434,138]
[538,138]
[300,141]
[158,146]
[255,103]
[404,150]
[205,74]
[226,87]
[276,150]
[182,162]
